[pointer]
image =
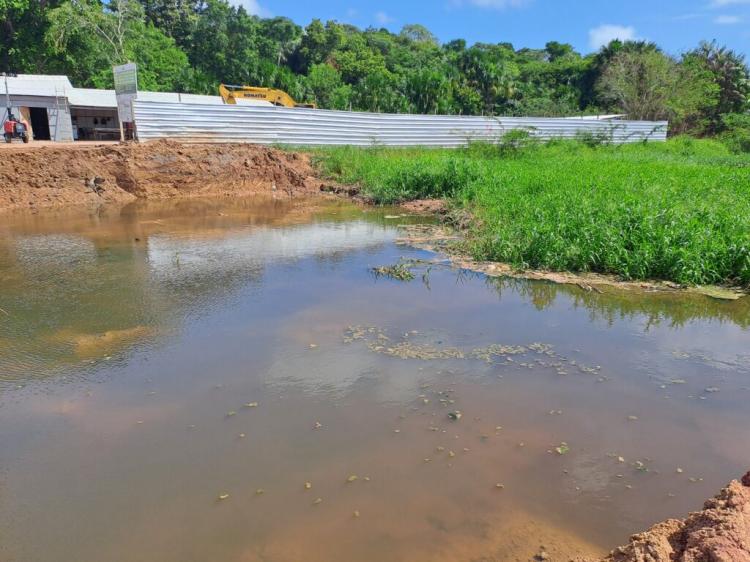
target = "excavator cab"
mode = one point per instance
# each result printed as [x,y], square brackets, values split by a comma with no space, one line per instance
[14,129]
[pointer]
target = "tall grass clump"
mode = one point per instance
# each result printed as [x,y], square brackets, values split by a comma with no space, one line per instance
[397,175]
[677,211]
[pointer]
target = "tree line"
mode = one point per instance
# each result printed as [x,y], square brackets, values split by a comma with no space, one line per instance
[193,45]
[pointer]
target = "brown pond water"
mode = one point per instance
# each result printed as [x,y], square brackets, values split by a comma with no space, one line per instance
[158,357]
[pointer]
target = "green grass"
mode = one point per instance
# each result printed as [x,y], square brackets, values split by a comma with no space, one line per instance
[676,211]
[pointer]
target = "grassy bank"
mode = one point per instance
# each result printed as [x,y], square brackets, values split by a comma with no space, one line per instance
[676,211]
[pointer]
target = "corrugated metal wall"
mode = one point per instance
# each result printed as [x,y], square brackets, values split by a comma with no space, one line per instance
[278,125]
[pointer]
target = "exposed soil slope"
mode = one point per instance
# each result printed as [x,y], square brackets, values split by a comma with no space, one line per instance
[52,176]
[719,533]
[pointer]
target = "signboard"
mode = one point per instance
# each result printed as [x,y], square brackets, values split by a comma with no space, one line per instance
[126,78]
[126,90]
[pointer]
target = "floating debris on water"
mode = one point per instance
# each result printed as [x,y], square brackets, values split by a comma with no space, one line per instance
[352,478]
[223,496]
[308,485]
[317,501]
[317,425]
[231,413]
[562,449]
[455,416]
[398,271]
[251,405]
[500,486]
[260,492]
[355,514]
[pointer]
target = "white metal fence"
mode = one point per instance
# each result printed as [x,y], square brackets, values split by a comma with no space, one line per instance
[279,125]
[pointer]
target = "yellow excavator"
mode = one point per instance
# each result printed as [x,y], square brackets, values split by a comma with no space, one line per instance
[230,94]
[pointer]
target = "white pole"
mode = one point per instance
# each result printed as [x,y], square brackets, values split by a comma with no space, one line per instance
[7,96]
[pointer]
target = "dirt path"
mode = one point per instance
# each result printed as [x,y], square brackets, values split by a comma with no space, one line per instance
[56,175]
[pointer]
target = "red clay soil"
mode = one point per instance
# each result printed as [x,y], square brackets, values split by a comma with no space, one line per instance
[719,533]
[57,175]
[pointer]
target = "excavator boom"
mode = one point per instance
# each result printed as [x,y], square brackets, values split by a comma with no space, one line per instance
[230,94]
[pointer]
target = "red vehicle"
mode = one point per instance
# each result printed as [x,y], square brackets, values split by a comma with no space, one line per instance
[13,129]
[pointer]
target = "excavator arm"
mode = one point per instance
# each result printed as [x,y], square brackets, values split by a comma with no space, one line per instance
[230,94]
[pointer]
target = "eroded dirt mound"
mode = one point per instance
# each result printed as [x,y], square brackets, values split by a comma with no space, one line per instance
[53,176]
[719,533]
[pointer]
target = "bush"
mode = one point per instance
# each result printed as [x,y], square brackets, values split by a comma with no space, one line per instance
[595,138]
[737,133]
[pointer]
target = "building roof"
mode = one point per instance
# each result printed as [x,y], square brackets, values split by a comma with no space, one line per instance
[36,85]
[51,86]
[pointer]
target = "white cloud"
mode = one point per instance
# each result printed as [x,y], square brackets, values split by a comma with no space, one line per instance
[602,35]
[498,4]
[382,18]
[253,8]
[724,3]
[491,4]
[727,20]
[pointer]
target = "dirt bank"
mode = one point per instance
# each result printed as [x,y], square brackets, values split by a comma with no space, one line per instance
[59,175]
[718,533]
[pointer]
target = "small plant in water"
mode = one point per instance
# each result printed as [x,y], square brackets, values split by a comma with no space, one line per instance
[397,271]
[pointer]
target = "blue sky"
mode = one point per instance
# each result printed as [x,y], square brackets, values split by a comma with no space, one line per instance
[676,25]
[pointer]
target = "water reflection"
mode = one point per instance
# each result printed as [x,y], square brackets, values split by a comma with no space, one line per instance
[612,304]
[191,311]
[88,286]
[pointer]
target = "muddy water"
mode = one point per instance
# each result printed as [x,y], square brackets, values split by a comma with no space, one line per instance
[155,359]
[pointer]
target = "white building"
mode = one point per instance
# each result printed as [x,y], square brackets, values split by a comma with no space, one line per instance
[56,110]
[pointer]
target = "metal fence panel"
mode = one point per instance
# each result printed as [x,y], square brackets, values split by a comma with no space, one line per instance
[300,126]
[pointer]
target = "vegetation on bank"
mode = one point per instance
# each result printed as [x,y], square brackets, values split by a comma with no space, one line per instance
[677,211]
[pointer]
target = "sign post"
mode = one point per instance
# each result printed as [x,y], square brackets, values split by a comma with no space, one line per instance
[126,90]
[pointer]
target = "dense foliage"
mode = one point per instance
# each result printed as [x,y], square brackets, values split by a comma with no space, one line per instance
[678,210]
[193,45]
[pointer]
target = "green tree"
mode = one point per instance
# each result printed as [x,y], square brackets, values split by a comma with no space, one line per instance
[175,18]
[92,39]
[639,84]
[732,77]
